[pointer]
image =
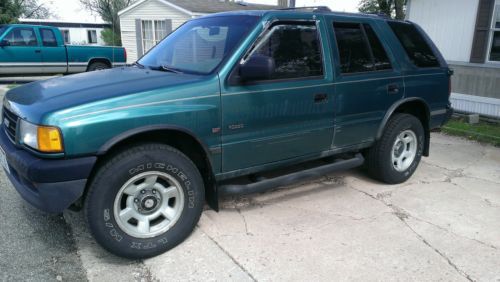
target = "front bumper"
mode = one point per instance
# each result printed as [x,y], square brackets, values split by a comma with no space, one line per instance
[51,185]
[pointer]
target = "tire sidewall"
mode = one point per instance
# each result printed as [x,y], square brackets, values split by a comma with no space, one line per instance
[100,211]
[407,123]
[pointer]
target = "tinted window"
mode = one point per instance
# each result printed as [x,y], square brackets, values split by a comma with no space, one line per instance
[2,29]
[380,58]
[353,48]
[48,37]
[296,50]
[419,52]
[21,37]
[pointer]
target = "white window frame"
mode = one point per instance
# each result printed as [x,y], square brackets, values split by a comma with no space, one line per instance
[90,31]
[69,36]
[155,40]
[492,31]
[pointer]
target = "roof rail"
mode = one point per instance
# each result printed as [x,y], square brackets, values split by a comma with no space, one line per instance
[309,8]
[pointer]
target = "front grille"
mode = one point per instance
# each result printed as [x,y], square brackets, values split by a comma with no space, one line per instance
[10,123]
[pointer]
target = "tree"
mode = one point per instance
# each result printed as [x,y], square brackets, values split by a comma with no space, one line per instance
[108,10]
[12,10]
[110,37]
[392,8]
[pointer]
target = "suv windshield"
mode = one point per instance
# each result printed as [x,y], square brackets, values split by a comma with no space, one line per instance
[200,45]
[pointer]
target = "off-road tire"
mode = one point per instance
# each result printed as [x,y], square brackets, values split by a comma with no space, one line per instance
[379,157]
[116,172]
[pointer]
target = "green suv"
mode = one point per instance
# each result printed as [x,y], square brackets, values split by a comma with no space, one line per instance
[142,148]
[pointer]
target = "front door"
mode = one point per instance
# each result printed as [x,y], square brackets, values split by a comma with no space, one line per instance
[287,115]
[22,55]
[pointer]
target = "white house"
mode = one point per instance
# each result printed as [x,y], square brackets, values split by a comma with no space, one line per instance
[468,34]
[75,33]
[146,22]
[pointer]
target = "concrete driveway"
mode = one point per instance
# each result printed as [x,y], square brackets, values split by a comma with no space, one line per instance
[443,224]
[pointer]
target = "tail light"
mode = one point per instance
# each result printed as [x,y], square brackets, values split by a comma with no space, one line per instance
[450,74]
[125,54]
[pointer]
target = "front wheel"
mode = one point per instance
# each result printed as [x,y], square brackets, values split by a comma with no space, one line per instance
[144,201]
[395,157]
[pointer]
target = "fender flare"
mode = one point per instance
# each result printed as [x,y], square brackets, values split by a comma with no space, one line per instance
[211,192]
[393,108]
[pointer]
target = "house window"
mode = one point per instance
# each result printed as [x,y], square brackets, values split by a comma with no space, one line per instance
[92,36]
[495,35]
[65,34]
[153,31]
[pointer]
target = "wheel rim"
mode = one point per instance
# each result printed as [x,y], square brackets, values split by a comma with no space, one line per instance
[148,204]
[404,150]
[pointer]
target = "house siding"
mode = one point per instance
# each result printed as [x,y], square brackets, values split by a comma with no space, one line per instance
[449,23]
[149,10]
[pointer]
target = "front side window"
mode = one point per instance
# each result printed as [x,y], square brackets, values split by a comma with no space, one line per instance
[21,36]
[295,48]
[92,36]
[200,45]
[48,37]
[153,31]
[495,35]
[415,45]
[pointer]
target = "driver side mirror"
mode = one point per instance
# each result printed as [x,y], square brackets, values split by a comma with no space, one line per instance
[4,43]
[258,67]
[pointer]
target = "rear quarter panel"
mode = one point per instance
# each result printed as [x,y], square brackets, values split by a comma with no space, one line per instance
[80,56]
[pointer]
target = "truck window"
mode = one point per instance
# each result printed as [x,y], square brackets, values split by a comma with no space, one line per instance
[21,36]
[417,49]
[2,29]
[296,50]
[48,37]
[380,58]
[353,48]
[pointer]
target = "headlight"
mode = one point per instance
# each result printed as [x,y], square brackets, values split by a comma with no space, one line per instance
[45,139]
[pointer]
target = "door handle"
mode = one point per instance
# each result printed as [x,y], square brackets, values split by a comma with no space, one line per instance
[392,89]
[320,98]
[38,51]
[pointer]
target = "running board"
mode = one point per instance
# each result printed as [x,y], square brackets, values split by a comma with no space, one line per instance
[267,184]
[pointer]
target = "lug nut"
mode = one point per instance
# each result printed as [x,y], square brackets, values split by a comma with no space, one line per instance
[143,191]
[154,191]
[136,200]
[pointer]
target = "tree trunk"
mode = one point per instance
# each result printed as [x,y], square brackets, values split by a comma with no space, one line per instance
[398,6]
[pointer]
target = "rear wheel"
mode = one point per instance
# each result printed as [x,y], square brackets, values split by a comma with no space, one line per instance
[97,66]
[395,157]
[144,201]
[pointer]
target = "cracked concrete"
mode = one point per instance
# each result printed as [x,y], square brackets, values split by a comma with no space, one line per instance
[443,224]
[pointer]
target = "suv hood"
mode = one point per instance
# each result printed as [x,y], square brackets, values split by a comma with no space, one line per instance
[33,100]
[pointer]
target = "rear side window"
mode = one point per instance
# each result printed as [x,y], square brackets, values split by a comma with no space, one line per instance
[48,38]
[359,48]
[296,50]
[419,52]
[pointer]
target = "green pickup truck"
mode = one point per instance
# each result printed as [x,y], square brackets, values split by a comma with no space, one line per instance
[40,50]
[213,108]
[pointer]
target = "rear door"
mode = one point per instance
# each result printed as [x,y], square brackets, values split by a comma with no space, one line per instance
[289,115]
[23,53]
[368,80]
[53,51]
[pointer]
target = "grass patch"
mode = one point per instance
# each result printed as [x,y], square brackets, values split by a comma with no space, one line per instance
[483,131]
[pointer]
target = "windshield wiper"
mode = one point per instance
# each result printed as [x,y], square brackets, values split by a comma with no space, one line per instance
[169,69]
[139,65]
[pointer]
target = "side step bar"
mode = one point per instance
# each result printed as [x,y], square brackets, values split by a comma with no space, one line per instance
[292,178]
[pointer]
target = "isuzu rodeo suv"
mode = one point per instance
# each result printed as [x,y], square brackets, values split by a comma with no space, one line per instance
[142,148]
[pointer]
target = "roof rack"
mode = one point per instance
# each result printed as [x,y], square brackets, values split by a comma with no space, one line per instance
[310,8]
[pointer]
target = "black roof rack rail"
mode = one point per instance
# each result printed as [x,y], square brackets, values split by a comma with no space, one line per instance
[309,8]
